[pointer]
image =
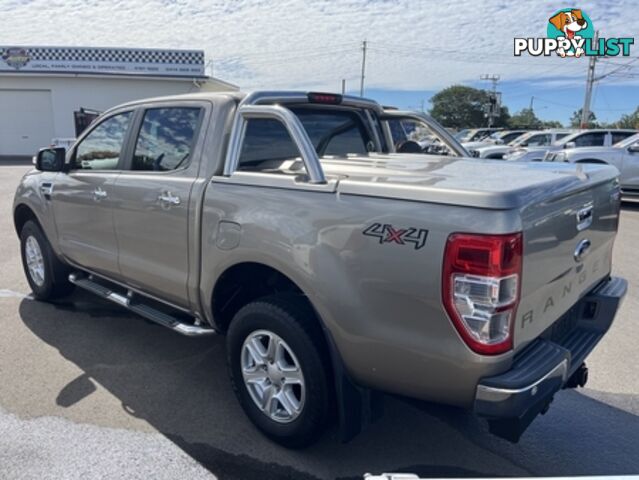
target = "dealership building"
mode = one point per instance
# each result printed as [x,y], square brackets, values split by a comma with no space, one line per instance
[47,94]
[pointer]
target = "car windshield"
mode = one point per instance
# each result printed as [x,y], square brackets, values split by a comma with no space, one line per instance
[522,139]
[626,142]
[464,135]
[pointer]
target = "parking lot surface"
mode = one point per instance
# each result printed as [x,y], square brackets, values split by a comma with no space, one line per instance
[89,390]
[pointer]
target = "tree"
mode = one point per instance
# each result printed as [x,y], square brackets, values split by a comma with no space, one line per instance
[575,120]
[525,118]
[628,121]
[551,124]
[463,107]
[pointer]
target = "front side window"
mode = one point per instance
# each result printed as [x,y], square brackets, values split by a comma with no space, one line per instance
[594,139]
[539,140]
[101,149]
[166,139]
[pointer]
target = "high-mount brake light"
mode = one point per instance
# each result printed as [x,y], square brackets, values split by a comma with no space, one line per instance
[481,282]
[327,98]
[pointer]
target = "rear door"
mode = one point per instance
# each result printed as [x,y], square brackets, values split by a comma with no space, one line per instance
[153,193]
[83,197]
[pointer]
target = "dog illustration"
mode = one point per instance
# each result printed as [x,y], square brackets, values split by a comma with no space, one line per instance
[569,23]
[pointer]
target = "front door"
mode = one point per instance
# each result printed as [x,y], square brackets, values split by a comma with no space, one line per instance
[152,215]
[82,198]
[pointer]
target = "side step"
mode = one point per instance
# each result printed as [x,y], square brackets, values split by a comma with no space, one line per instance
[143,306]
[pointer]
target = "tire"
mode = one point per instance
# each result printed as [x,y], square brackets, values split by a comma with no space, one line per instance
[292,320]
[48,276]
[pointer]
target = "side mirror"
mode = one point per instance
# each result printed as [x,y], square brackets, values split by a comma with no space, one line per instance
[570,145]
[50,159]
[523,144]
[634,148]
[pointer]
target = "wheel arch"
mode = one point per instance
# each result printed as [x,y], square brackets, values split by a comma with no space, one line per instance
[22,213]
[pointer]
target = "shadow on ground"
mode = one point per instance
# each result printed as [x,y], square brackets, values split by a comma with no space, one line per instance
[180,386]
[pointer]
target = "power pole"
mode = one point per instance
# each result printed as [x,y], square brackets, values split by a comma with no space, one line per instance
[361,85]
[343,86]
[532,99]
[590,80]
[494,106]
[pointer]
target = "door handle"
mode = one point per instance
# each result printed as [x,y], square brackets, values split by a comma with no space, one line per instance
[168,199]
[99,194]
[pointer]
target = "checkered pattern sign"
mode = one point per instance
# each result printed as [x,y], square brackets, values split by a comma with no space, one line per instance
[103,60]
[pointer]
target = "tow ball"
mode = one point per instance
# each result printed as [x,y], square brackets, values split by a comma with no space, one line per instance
[579,378]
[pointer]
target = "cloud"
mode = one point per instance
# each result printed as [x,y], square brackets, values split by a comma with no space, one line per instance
[314,44]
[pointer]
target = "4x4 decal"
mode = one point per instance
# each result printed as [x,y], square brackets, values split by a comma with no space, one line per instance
[401,236]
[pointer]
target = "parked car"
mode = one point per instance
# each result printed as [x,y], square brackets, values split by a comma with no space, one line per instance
[414,132]
[603,137]
[502,137]
[474,134]
[530,140]
[335,269]
[624,155]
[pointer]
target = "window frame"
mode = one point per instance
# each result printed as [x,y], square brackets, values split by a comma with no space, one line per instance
[586,134]
[71,157]
[136,129]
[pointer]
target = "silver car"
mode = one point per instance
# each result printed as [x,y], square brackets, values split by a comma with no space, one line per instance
[624,155]
[530,140]
[582,138]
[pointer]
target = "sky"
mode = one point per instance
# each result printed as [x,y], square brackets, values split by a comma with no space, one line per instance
[414,48]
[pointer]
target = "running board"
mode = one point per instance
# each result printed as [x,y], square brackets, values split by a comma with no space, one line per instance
[139,304]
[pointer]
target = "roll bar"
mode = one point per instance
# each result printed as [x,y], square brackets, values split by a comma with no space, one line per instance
[268,104]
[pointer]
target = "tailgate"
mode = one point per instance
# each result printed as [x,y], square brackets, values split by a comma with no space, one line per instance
[568,242]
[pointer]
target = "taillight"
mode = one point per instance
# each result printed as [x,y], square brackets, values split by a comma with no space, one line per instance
[480,288]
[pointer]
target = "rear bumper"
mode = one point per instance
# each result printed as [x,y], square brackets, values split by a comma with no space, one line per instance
[511,400]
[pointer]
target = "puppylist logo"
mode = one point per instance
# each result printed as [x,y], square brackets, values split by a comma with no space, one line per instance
[570,33]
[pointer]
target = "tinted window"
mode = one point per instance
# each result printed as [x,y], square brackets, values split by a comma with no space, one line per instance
[165,139]
[594,139]
[619,136]
[539,140]
[509,137]
[101,149]
[266,140]
[559,136]
[334,132]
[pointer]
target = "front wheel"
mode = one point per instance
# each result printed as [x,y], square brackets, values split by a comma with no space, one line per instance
[279,369]
[47,276]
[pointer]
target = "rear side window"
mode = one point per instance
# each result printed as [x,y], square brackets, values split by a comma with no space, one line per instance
[166,139]
[102,147]
[619,136]
[266,142]
[559,136]
[594,139]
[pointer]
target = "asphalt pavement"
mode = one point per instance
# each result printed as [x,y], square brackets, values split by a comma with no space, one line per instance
[88,390]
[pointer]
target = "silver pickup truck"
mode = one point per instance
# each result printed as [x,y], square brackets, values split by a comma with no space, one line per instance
[336,268]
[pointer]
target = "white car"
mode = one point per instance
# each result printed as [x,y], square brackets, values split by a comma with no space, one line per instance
[503,137]
[600,137]
[624,155]
[528,141]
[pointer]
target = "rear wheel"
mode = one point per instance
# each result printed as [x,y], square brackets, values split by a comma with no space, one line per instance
[279,369]
[47,276]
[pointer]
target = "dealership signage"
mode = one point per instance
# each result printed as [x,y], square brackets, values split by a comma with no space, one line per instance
[124,61]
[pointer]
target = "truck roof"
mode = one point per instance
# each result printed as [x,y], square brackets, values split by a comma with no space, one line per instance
[265,96]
